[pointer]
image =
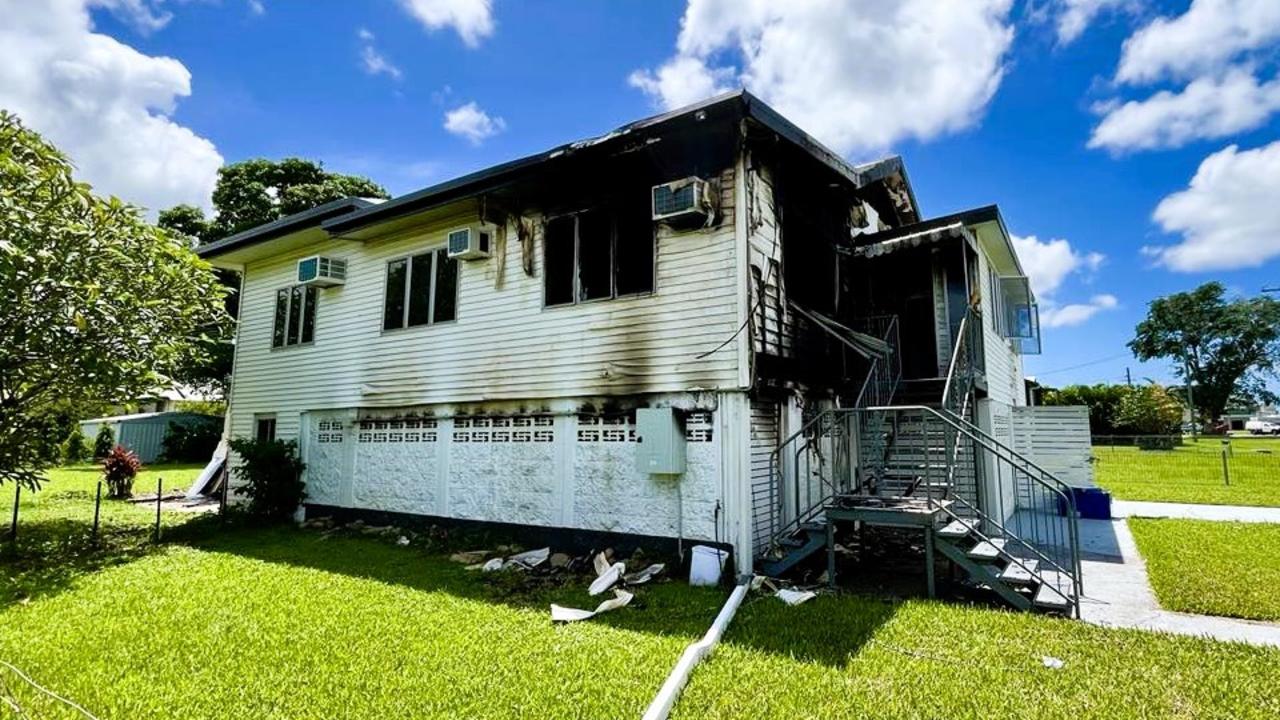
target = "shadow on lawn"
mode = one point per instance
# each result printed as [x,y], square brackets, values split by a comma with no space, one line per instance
[51,554]
[827,630]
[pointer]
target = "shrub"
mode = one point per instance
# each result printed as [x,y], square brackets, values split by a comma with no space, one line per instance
[192,440]
[74,448]
[1150,410]
[270,475]
[104,442]
[119,468]
[1159,442]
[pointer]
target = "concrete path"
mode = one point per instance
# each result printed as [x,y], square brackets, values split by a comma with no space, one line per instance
[1117,592]
[1187,511]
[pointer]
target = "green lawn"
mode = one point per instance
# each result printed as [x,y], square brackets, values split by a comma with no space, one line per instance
[235,622]
[55,523]
[1193,472]
[1215,568]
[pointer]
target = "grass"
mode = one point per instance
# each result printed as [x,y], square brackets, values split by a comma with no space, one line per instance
[55,525]
[840,657]
[282,623]
[1193,472]
[1214,568]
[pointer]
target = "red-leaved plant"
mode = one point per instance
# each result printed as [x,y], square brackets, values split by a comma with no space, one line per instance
[119,468]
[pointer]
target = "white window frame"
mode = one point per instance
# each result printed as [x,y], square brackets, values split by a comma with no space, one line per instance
[433,251]
[288,316]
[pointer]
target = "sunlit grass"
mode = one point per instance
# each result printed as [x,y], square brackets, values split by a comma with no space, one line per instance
[1215,568]
[1193,472]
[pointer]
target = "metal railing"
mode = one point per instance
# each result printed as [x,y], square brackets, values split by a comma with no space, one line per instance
[885,372]
[1027,507]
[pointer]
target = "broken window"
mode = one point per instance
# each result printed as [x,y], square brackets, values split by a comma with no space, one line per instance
[295,316]
[264,428]
[599,254]
[421,290]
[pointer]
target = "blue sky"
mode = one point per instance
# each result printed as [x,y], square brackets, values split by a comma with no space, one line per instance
[367,87]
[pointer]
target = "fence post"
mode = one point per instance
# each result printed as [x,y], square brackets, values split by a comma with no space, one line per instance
[1226,472]
[13,526]
[97,508]
[159,487]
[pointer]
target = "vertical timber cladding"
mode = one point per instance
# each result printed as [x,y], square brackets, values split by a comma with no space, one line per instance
[765,497]
[531,469]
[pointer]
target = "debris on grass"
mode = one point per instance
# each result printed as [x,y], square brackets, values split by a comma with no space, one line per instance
[568,614]
[1052,663]
[470,557]
[795,597]
[607,575]
[645,575]
[402,541]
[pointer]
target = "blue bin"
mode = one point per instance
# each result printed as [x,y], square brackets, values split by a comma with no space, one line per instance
[1091,503]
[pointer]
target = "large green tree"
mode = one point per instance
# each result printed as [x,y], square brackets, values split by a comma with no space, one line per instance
[98,304]
[248,194]
[252,192]
[1222,348]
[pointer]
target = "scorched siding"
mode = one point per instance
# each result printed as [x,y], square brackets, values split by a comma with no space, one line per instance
[504,345]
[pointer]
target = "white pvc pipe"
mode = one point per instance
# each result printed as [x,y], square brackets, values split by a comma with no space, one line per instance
[662,703]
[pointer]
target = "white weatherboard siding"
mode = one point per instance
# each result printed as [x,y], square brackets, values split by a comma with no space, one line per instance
[503,346]
[1004,366]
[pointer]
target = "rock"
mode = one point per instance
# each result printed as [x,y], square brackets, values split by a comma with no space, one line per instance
[470,557]
[559,560]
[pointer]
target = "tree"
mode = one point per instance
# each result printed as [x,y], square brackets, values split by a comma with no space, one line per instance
[74,449]
[186,221]
[1103,401]
[98,304]
[105,440]
[248,194]
[252,192]
[1221,348]
[1149,410]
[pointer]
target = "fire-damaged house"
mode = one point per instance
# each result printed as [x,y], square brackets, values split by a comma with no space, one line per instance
[702,326]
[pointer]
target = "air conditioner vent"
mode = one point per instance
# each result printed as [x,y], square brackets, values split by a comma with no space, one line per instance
[470,243]
[322,271]
[682,202]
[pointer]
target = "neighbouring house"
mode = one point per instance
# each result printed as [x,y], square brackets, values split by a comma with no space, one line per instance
[701,327]
[145,433]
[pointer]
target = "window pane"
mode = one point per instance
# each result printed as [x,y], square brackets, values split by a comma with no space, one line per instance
[595,256]
[282,316]
[393,312]
[557,271]
[446,287]
[266,429]
[634,247]
[420,289]
[295,314]
[309,315]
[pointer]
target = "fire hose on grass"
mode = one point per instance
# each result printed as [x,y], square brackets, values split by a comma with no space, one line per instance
[666,698]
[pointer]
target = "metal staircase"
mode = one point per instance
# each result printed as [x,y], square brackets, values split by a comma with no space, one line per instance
[1006,523]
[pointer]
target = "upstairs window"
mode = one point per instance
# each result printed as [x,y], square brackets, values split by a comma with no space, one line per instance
[295,322]
[598,254]
[421,290]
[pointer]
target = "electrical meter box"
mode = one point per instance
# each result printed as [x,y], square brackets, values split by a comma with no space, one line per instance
[659,442]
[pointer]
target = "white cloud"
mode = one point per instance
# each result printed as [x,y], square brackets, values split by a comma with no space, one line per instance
[257,8]
[144,16]
[1206,108]
[1054,316]
[1228,216]
[471,122]
[858,74]
[1073,17]
[1048,264]
[471,19]
[372,60]
[1206,38]
[105,104]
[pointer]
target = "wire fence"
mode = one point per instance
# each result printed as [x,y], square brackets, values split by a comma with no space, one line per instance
[85,510]
[1243,461]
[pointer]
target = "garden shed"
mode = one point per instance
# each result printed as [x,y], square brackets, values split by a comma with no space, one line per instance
[143,433]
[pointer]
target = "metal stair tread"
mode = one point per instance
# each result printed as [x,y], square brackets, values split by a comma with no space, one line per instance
[1020,574]
[1048,597]
[987,549]
[956,529]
